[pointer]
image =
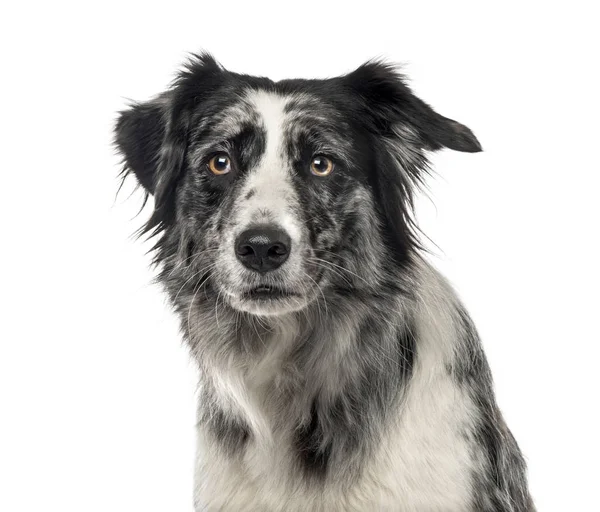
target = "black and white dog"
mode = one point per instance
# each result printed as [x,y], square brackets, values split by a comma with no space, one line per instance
[339,370]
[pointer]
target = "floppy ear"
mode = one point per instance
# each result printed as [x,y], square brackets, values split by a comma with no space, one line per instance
[390,102]
[404,126]
[152,136]
[139,135]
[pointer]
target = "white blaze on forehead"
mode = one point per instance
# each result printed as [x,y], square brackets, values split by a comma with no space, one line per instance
[271,109]
[274,197]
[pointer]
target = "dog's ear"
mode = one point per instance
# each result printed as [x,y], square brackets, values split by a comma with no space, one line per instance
[391,104]
[404,127]
[152,136]
[139,136]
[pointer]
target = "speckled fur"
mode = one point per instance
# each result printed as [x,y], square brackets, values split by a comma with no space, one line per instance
[368,388]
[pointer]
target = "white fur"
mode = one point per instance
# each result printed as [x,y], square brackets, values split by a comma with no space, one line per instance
[274,196]
[423,463]
[274,201]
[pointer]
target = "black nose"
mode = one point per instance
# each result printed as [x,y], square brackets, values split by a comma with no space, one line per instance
[263,248]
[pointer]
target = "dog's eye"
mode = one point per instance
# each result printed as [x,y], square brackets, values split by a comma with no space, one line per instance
[321,166]
[219,164]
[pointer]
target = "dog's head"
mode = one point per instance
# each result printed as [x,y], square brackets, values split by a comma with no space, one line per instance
[270,194]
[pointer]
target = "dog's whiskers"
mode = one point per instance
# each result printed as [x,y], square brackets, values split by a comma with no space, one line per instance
[203,270]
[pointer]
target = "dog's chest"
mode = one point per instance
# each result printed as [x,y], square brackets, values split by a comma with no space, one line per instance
[422,462]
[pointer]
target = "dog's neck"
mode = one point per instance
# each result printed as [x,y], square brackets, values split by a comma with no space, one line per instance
[303,373]
[329,329]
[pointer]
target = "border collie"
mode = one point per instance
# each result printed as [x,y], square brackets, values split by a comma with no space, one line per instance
[339,371]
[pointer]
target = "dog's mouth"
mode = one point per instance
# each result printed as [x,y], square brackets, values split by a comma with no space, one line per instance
[268,293]
[268,300]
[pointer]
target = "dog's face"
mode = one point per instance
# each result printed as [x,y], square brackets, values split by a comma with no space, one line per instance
[275,184]
[270,195]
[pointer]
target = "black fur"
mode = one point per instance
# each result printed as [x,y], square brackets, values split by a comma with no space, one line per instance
[338,427]
[230,433]
[491,432]
[368,102]
[351,349]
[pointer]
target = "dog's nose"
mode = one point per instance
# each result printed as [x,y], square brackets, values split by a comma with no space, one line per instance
[263,248]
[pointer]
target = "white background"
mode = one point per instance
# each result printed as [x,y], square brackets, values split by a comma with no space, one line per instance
[97,403]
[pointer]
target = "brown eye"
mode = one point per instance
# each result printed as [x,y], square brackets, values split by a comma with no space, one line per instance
[220,164]
[321,166]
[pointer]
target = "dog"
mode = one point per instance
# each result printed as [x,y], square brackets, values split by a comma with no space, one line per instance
[338,370]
